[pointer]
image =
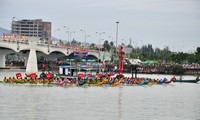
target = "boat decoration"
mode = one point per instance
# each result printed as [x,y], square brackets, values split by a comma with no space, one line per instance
[87,79]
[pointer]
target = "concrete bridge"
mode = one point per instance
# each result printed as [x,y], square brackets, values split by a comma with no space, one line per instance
[50,52]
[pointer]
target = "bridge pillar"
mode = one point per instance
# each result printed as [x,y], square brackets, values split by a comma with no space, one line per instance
[32,66]
[2,60]
[25,57]
[25,61]
[3,53]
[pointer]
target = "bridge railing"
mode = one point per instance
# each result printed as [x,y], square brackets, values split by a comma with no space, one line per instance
[52,45]
[14,41]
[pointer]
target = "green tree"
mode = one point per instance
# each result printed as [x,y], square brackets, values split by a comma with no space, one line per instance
[191,58]
[197,55]
[112,44]
[106,45]
[92,46]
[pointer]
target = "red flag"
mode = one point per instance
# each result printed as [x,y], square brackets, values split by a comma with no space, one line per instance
[49,75]
[80,75]
[88,75]
[18,75]
[33,75]
[99,75]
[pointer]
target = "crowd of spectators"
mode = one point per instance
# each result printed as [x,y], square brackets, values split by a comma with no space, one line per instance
[110,67]
[191,66]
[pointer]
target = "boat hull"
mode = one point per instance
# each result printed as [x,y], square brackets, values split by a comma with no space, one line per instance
[187,81]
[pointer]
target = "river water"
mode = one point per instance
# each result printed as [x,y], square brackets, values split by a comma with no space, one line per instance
[176,101]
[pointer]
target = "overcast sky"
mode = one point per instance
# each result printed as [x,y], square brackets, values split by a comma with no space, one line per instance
[173,23]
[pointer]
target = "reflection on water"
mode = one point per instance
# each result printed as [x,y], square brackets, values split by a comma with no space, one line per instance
[120,103]
[178,101]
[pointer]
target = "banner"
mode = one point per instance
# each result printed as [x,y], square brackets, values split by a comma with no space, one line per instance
[82,55]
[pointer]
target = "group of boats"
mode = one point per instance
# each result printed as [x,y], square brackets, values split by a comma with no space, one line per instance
[97,80]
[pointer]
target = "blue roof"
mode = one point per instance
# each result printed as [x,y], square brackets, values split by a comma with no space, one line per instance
[66,66]
[78,67]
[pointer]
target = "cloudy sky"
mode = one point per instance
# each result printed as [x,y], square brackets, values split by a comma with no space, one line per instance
[173,23]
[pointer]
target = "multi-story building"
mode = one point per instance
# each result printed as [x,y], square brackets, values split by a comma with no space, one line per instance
[35,27]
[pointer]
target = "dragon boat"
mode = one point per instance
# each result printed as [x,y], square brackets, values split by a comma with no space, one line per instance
[84,79]
[187,81]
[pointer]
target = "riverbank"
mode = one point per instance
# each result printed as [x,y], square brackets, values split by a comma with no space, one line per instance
[127,70]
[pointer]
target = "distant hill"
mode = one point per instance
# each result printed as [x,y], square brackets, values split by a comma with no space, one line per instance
[3,30]
[54,38]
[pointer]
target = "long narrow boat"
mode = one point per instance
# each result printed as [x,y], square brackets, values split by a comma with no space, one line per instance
[169,81]
[187,81]
[105,80]
[121,80]
[162,81]
[81,82]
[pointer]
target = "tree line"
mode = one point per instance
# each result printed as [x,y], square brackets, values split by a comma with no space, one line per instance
[147,52]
